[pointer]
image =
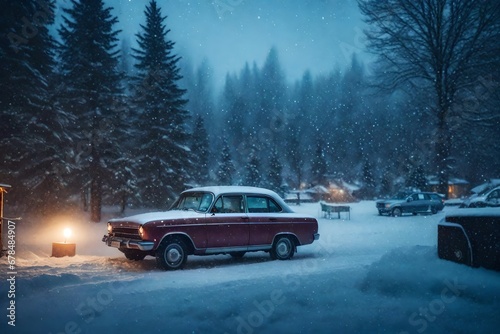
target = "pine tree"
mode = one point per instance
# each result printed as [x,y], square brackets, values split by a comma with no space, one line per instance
[91,90]
[272,87]
[271,93]
[201,152]
[226,166]
[163,138]
[319,167]
[274,175]
[417,178]
[253,177]
[33,126]
[294,154]
[201,94]
[368,178]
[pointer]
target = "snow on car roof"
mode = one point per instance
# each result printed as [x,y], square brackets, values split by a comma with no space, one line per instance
[234,190]
[217,190]
[474,212]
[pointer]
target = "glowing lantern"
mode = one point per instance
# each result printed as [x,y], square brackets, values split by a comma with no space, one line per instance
[61,249]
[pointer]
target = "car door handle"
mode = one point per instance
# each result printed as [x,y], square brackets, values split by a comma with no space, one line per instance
[246,218]
[273,219]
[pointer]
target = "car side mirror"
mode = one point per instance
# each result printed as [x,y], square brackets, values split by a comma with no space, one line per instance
[409,199]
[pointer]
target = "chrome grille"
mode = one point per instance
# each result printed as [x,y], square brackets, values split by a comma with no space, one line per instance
[129,233]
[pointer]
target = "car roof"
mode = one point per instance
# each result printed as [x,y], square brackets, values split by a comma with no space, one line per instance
[243,190]
[217,190]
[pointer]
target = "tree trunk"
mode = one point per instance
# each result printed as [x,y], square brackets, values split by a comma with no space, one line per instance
[95,199]
[442,154]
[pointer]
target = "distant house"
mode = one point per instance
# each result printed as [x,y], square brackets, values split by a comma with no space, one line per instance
[337,191]
[457,188]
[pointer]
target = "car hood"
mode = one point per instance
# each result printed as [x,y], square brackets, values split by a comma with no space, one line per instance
[156,216]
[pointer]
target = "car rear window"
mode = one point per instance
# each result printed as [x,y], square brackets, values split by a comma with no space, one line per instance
[258,204]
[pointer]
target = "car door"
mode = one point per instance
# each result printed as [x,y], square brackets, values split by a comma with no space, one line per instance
[423,203]
[227,224]
[411,204]
[265,219]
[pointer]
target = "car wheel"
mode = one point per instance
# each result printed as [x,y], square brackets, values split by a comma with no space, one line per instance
[396,212]
[283,248]
[172,254]
[237,255]
[434,210]
[134,255]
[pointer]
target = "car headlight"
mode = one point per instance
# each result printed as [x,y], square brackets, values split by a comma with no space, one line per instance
[110,228]
[388,205]
[141,231]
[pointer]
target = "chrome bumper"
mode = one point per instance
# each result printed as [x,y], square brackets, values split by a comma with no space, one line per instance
[316,236]
[128,243]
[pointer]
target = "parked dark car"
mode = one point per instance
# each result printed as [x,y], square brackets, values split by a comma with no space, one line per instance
[411,202]
[488,198]
[214,220]
[471,237]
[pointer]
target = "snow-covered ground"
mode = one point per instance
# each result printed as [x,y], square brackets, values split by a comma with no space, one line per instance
[370,274]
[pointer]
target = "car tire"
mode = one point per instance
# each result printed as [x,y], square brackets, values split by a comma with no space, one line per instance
[134,255]
[434,210]
[172,254]
[396,212]
[283,248]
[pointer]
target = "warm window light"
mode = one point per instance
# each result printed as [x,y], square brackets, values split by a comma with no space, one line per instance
[67,234]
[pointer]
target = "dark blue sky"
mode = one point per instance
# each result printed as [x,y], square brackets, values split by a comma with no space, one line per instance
[309,34]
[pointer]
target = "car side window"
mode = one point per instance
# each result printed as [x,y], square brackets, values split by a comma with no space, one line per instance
[258,204]
[229,204]
[494,195]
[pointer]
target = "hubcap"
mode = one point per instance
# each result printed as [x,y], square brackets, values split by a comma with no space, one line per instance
[282,248]
[173,255]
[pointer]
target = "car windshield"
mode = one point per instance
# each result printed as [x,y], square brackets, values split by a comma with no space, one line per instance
[195,201]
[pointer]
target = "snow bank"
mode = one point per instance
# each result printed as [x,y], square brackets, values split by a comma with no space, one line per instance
[370,274]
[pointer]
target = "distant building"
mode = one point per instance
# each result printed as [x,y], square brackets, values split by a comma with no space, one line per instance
[457,188]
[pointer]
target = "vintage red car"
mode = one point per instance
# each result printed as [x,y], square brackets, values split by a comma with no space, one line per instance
[214,220]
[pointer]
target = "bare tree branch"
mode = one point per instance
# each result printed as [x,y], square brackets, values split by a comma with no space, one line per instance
[444,45]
